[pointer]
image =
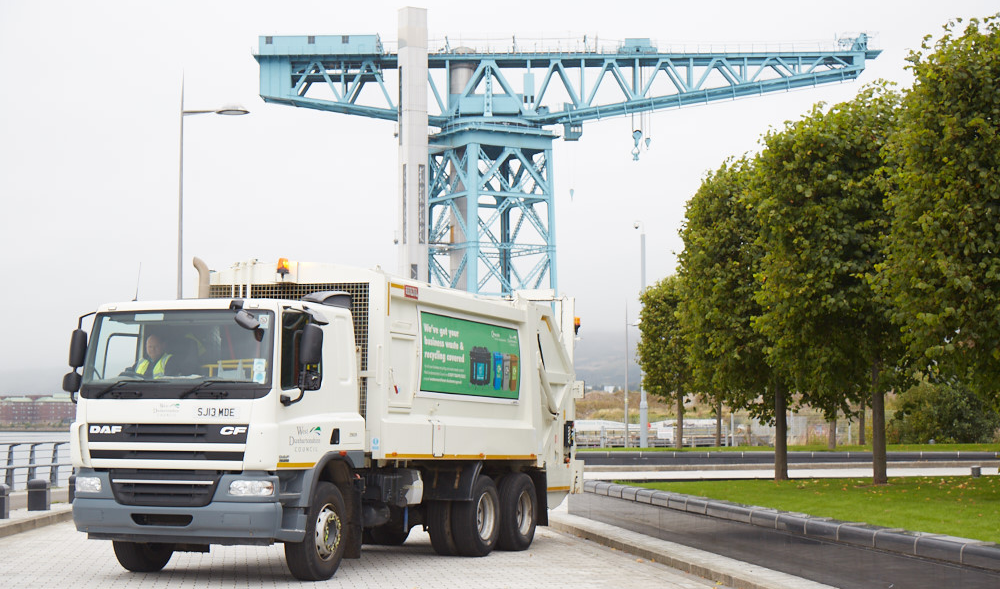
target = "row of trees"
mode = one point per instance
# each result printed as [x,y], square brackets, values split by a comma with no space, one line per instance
[855,252]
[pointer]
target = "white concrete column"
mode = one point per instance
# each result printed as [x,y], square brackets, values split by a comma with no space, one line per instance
[413,172]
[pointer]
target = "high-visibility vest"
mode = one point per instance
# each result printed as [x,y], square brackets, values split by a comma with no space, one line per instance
[158,369]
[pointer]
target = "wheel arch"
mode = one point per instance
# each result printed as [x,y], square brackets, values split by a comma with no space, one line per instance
[451,480]
[339,470]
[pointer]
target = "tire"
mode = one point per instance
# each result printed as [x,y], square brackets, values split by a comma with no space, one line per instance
[476,524]
[518,512]
[142,558]
[317,557]
[439,527]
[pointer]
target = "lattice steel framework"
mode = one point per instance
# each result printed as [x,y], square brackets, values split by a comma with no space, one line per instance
[491,222]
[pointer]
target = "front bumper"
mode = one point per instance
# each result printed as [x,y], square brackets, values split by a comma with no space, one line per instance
[224,520]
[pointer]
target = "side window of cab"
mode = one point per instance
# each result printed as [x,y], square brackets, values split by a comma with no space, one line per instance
[292,323]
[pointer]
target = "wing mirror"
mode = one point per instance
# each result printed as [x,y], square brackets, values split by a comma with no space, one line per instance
[77,348]
[246,320]
[310,359]
[71,383]
[77,356]
[311,347]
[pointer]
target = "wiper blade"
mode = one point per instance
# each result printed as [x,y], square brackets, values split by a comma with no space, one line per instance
[117,385]
[200,387]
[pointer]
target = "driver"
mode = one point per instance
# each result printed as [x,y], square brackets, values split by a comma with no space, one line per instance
[154,365]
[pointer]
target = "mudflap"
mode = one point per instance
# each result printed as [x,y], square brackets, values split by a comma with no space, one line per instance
[354,537]
[541,495]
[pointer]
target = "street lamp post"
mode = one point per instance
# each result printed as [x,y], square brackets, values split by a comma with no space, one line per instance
[626,374]
[643,405]
[226,110]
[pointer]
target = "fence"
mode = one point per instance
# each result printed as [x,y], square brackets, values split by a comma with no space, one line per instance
[31,460]
[611,434]
[737,430]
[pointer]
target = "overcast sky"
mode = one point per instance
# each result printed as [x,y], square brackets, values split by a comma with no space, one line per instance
[89,141]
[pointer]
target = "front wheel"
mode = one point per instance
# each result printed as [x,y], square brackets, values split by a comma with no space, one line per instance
[317,557]
[142,558]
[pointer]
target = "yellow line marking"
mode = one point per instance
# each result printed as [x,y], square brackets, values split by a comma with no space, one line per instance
[396,456]
[296,464]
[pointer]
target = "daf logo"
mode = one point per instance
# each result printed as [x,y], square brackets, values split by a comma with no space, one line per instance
[105,429]
[231,430]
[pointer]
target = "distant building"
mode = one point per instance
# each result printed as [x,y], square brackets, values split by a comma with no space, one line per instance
[36,409]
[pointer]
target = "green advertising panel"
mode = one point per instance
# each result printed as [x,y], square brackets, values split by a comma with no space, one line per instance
[469,358]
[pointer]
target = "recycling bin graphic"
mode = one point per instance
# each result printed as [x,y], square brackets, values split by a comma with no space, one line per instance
[497,371]
[479,366]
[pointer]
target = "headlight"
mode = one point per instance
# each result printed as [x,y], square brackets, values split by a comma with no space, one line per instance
[88,485]
[251,488]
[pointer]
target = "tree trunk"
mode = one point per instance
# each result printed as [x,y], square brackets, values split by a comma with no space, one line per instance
[861,421]
[831,434]
[780,435]
[718,424]
[878,432]
[679,438]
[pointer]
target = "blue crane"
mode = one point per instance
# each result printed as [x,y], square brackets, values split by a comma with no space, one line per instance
[490,210]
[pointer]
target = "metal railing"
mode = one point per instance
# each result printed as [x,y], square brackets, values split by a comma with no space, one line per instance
[29,457]
[610,436]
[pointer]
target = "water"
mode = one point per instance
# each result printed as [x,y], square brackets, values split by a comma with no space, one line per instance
[7,437]
[43,455]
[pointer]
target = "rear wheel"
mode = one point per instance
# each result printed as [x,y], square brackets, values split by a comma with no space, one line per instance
[518,506]
[439,527]
[317,557]
[142,558]
[476,524]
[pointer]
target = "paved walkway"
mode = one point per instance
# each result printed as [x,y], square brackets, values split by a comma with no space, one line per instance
[59,556]
[22,520]
[43,549]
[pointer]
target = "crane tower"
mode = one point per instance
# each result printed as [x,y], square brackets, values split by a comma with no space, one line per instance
[477,195]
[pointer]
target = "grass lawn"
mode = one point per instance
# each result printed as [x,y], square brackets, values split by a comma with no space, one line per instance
[958,506]
[819,448]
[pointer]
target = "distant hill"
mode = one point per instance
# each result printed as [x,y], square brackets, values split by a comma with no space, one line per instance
[600,360]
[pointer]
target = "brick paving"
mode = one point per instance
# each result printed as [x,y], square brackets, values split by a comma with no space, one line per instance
[57,556]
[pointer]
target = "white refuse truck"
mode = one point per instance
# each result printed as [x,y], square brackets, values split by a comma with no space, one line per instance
[322,407]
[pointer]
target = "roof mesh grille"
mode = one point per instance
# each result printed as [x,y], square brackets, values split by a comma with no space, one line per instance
[359,292]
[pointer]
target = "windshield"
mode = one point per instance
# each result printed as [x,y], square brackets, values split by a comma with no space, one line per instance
[172,354]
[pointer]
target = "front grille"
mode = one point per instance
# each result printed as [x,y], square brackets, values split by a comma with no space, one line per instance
[359,309]
[166,455]
[164,488]
[198,441]
[169,433]
[162,519]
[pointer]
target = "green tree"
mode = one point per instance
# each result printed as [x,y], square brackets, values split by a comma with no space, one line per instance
[662,352]
[942,272]
[820,205]
[720,257]
[943,413]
